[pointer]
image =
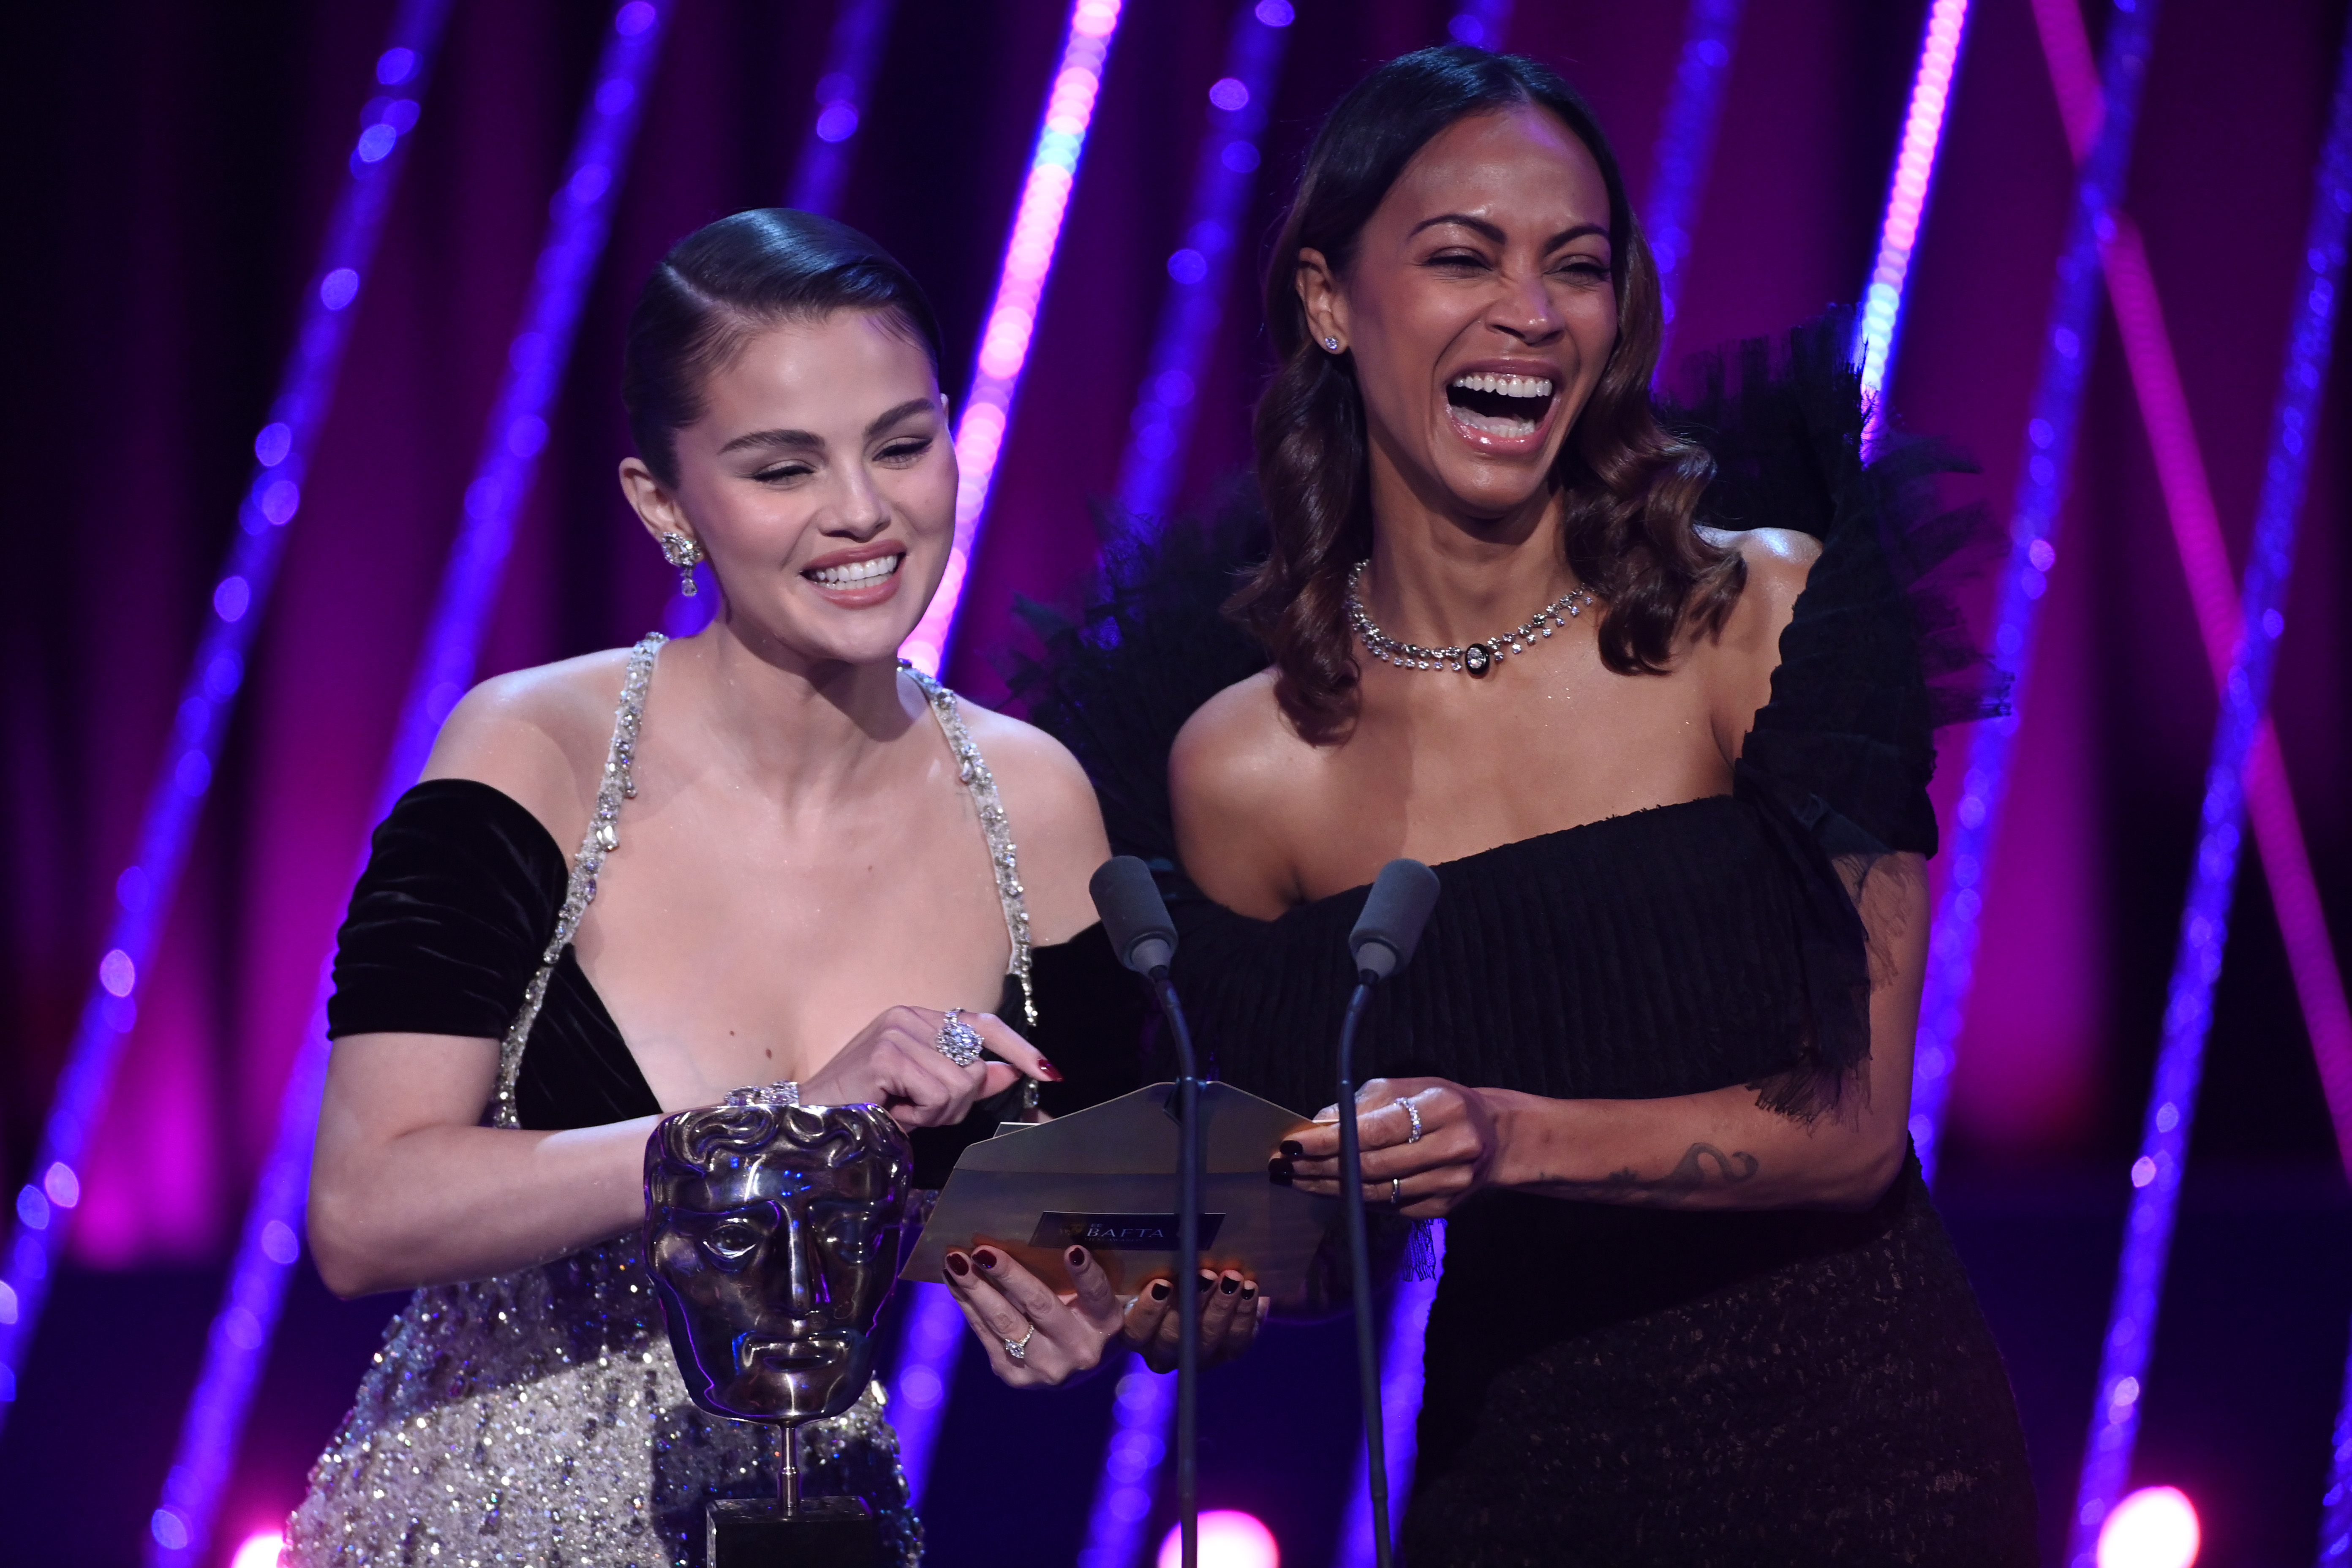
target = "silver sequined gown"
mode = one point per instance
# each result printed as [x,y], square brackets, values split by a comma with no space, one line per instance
[538,1417]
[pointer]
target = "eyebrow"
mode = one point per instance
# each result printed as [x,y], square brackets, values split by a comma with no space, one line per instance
[1494,231]
[811,440]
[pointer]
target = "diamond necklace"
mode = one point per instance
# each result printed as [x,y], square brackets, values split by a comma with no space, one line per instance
[1478,657]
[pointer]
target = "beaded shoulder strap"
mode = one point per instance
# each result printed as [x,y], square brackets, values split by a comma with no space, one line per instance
[972,771]
[618,784]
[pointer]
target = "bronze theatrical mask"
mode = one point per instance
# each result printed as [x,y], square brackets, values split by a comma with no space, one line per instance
[773,1229]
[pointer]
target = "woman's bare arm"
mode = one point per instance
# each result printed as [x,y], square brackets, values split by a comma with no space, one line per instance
[406,1190]
[1719,1150]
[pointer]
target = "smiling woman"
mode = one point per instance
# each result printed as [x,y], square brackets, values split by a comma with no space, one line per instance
[796,871]
[1653,1060]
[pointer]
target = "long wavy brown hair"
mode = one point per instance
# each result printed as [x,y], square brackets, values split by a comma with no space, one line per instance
[1631,486]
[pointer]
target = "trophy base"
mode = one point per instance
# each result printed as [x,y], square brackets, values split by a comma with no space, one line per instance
[822,1532]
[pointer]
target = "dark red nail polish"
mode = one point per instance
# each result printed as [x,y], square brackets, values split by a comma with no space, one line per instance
[958,1265]
[1048,1071]
[985,1258]
[1293,1148]
[1249,1291]
[1279,1172]
[1228,1285]
[1076,1258]
[1160,1291]
[1205,1281]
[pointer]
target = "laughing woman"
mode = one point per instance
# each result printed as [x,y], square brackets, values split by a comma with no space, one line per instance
[1651,688]
[796,862]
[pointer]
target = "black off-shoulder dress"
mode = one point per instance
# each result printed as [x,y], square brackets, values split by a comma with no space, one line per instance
[1608,1384]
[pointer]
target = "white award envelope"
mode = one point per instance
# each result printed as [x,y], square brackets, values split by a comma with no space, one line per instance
[1105,1178]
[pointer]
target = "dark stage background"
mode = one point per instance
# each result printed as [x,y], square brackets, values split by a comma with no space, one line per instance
[168,171]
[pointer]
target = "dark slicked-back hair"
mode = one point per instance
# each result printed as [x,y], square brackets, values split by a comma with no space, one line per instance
[730,279]
[1632,486]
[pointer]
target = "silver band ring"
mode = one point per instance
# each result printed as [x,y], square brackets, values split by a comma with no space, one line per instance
[958,1041]
[1396,1192]
[1414,1116]
[1019,1349]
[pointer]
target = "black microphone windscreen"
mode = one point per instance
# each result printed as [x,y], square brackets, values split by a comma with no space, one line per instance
[1401,896]
[1133,914]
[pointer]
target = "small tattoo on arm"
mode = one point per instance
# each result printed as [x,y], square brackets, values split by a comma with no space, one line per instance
[1701,1164]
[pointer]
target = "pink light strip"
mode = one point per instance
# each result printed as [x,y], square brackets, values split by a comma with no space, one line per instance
[1013,315]
[2212,587]
[1906,197]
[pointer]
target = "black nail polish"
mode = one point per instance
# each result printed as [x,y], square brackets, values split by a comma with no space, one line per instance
[1249,1291]
[1160,1291]
[1228,1285]
[1292,1148]
[1205,1281]
[1279,1172]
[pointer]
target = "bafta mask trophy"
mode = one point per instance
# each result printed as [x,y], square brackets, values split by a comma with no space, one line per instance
[772,1228]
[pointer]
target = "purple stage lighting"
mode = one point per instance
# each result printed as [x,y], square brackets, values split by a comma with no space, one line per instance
[919,1392]
[1401,1383]
[1198,270]
[2205,921]
[1140,1414]
[580,218]
[2050,442]
[143,892]
[1482,24]
[850,58]
[1906,197]
[2205,562]
[1686,144]
[1012,320]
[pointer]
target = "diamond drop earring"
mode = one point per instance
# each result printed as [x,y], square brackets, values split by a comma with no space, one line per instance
[683,553]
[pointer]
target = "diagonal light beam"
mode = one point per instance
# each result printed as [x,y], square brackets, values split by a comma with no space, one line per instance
[2205,562]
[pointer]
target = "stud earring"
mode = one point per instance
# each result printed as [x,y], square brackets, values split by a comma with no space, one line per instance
[685,553]
[1332,344]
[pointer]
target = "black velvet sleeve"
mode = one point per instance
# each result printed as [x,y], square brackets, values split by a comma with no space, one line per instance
[449,920]
[1090,1021]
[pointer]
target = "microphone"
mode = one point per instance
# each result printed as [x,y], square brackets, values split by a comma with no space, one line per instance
[1388,931]
[1135,917]
[1389,928]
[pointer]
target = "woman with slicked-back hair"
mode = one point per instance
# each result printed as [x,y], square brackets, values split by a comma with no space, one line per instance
[1653,688]
[800,868]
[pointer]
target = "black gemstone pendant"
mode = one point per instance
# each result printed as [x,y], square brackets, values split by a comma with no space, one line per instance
[1477,659]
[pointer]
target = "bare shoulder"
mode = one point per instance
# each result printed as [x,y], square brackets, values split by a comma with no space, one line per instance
[538,735]
[1057,824]
[1234,780]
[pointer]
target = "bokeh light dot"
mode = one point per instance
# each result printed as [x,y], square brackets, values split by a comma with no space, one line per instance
[259,1550]
[1229,1539]
[2155,1527]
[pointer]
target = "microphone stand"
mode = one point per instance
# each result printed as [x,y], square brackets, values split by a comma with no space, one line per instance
[1187,1285]
[1360,1267]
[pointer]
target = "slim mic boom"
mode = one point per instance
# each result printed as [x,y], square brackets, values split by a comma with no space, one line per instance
[1136,920]
[1399,906]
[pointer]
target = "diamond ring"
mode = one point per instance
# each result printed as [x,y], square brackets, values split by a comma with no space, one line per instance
[958,1041]
[1414,1136]
[1019,1349]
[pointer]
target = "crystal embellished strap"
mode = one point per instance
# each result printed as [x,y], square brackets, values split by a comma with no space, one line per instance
[618,783]
[972,771]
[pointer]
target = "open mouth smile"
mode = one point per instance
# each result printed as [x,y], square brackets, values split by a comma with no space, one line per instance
[857,574]
[1500,410]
